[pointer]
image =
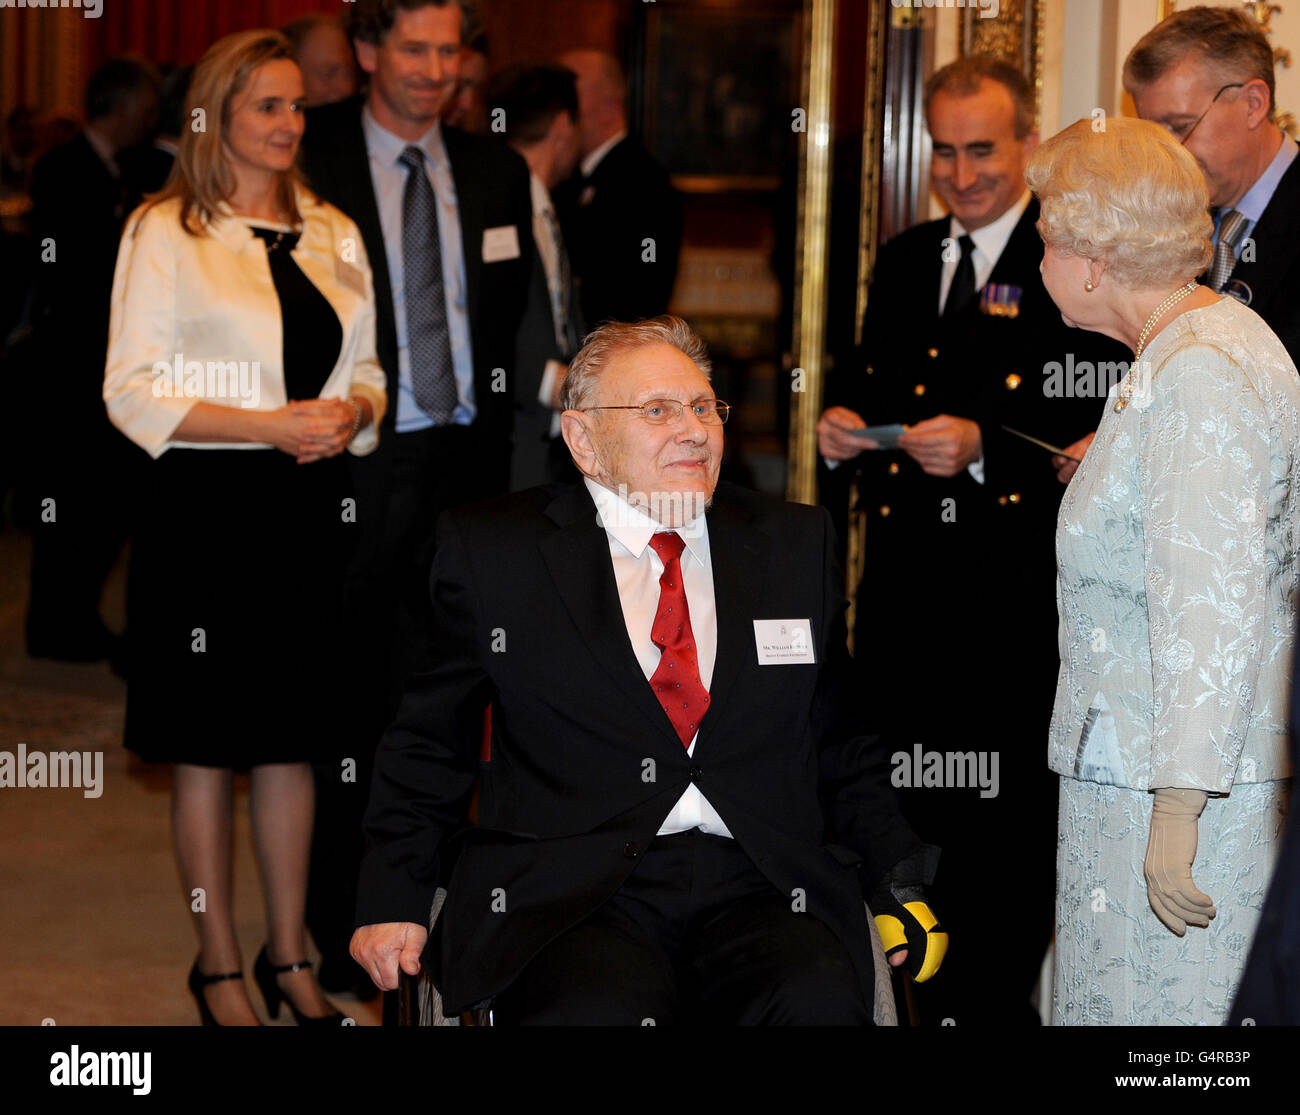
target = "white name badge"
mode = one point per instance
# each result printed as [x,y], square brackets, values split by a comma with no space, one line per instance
[784,642]
[500,243]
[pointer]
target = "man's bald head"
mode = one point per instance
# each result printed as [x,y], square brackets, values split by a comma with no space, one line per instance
[602,95]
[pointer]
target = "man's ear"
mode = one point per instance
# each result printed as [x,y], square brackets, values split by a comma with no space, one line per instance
[1258,102]
[573,427]
[556,132]
[366,55]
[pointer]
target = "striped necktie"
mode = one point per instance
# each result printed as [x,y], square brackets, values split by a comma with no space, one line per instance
[1231,226]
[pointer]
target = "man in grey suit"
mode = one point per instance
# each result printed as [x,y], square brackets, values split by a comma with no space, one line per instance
[1206,74]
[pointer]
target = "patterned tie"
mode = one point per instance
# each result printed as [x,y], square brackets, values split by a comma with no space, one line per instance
[676,679]
[962,291]
[1231,225]
[427,339]
[564,332]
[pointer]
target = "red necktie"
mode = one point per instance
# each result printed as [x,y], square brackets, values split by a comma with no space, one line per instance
[676,679]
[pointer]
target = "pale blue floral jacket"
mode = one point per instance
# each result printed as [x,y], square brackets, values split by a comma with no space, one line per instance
[1177,567]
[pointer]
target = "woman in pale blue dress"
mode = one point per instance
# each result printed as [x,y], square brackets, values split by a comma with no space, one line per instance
[1176,573]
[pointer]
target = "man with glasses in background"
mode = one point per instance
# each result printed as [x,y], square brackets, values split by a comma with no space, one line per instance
[674,741]
[1206,74]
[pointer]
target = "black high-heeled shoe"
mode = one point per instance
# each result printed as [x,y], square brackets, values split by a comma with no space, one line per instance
[198,981]
[264,972]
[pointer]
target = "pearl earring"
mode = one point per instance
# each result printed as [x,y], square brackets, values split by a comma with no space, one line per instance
[1089,285]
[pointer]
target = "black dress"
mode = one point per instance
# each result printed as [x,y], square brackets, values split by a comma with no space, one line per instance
[237,577]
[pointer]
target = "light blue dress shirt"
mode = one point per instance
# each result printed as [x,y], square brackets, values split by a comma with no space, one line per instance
[1256,199]
[389,177]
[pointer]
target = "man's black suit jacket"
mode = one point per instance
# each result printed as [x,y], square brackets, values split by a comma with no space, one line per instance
[606,219]
[79,208]
[1273,275]
[491,192]
[537,458]
[584,764]
[959,577]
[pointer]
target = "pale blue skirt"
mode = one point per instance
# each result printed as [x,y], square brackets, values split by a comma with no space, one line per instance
[1116,963]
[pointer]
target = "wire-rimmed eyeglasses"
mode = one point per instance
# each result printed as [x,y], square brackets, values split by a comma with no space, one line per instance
[1185,136]
[659,412]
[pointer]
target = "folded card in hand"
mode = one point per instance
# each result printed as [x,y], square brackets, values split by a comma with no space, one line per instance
[886,437]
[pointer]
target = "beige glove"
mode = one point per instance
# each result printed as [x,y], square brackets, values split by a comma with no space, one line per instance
[1171,850]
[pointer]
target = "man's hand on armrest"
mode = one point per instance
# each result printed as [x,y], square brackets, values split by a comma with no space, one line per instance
[380,949]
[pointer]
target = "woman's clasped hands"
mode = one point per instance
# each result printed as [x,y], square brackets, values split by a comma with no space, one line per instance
[312,429]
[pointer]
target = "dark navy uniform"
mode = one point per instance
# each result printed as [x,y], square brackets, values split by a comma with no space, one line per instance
[956,614]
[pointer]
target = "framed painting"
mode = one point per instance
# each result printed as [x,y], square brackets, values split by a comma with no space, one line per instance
[721,90]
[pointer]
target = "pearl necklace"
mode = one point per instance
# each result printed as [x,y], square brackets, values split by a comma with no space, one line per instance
[1126,391]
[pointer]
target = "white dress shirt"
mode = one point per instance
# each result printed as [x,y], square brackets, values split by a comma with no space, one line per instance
[637,570]
[1256,199]
[388,175]
[990,241]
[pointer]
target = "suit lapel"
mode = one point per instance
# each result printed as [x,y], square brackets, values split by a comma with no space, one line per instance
[1279,229]
[738,553]
[1016,260]
[1024,243]
[361,206]
[934,274]
[469,195]
[577,556]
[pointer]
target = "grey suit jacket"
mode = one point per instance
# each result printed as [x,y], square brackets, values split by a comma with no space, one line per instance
[1177,567]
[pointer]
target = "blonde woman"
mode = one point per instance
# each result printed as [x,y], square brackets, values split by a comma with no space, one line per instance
[1176,569]
[242,359]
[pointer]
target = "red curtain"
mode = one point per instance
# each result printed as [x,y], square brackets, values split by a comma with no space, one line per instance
[175,32]
[179,31]
[45,61]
